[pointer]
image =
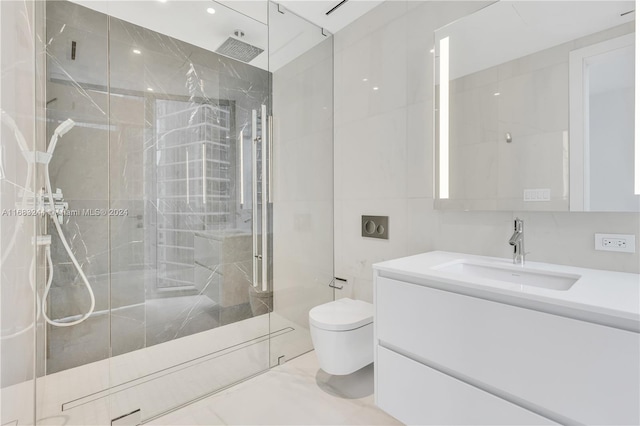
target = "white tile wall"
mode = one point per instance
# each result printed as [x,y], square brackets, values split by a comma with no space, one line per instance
[384,151]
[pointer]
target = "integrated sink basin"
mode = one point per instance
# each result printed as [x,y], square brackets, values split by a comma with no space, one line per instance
[518,276]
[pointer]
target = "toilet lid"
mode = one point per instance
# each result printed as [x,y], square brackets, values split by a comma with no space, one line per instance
[341,315]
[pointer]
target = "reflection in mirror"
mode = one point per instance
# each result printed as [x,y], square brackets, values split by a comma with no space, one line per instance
[502,96]
[602,127]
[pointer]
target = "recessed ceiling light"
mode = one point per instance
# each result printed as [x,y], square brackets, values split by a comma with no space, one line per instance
[496,94]
[137,51]
[432,50]
[150,89]
[211,10]
[365,79]
[376,88]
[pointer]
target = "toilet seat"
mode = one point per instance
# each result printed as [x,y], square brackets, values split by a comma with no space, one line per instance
[341,315]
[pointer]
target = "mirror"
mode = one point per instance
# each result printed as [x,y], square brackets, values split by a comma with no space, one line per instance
[526,100]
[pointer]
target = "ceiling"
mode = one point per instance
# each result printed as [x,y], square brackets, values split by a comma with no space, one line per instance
[315,11]
[288,36]
[312,10]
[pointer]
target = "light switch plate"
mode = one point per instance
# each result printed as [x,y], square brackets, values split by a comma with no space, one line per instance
[616,242]
[533,195]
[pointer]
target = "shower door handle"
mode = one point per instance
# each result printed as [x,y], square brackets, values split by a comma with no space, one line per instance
[254,194]
[261,137]
[264,130]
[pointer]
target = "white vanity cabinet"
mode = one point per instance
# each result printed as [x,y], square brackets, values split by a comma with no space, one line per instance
[444,356]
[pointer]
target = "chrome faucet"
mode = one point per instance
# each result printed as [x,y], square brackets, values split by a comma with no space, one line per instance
[517,241]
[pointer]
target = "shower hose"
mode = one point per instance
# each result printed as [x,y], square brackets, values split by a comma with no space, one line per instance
[61,130]
[45,159]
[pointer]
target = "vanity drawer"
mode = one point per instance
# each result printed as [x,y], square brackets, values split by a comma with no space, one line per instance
[417,394]
[580,372]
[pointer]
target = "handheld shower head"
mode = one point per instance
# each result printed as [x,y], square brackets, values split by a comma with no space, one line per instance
[64,127]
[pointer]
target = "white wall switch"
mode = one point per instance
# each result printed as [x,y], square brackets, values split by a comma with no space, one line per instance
[616,242]
[542,194]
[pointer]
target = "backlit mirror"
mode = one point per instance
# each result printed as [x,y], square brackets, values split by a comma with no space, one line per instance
[535,108]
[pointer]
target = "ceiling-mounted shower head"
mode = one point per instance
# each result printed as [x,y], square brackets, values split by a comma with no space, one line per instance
[239,50]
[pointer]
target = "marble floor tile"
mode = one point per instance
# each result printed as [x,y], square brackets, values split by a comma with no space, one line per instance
[295,393]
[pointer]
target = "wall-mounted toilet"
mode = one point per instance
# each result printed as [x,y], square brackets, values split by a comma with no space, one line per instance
[342,335]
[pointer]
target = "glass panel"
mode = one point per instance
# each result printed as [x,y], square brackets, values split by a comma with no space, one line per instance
[301,61]
[162,175]
[182,122]
[17,227]
[76,336]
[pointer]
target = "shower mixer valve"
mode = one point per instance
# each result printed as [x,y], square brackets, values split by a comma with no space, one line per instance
[59,205]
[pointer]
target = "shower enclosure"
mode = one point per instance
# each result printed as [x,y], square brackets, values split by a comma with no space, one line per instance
[195,189]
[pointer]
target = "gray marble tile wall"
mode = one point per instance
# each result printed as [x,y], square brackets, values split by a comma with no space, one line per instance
[80,168]
[109,160]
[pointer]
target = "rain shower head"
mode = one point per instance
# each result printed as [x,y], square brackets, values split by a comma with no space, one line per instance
[236,49]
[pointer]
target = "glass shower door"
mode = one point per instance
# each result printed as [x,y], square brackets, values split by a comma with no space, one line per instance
[203,272]
[184,321]
[301,63]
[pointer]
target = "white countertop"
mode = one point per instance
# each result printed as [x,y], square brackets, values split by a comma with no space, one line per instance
[604,297]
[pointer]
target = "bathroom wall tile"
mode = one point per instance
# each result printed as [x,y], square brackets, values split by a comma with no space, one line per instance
[296,181]
[420,150]
[303,258]
[373,152]
[363,288]
[422,226]
[484,233]
[309,113]
[359,253]
[373,74]
[568,239]
[372,21]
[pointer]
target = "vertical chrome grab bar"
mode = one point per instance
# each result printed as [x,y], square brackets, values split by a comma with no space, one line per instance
[204,173]
[254,193]
[270,181]
[263,152]
[186,163]
[241,146]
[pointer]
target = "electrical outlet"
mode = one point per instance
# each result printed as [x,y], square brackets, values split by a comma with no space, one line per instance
[616,242]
